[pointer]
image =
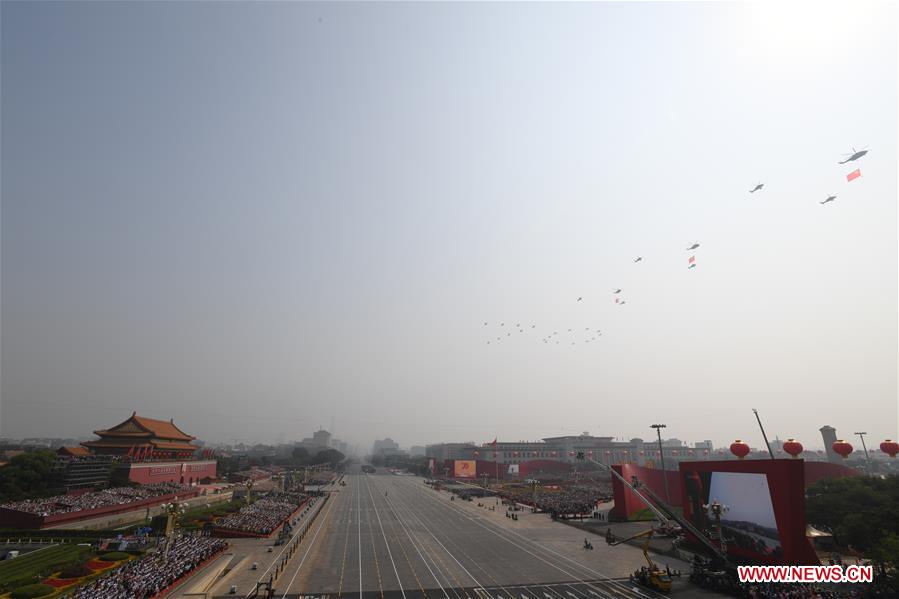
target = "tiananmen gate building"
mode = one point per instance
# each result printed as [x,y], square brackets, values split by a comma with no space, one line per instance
[152,451]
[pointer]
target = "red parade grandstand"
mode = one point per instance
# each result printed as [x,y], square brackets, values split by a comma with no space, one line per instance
[60,509]
[261,518]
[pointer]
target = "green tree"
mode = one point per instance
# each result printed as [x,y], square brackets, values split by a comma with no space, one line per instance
[27,475]
[329,456]
[862,512]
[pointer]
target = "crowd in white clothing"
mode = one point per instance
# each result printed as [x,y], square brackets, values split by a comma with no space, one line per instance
[145,577]
[263,516]
[64,504]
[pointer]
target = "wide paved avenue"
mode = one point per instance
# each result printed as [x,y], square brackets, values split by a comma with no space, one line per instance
[389,536]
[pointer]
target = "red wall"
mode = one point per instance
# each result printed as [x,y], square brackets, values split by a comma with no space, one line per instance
[627,503]
[786,483]
[177,472]
[815,471]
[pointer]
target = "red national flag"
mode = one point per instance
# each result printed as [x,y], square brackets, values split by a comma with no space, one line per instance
[494,442]
[854,174]
[692,259]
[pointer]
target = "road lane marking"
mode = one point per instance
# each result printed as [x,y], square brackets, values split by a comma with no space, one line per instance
[415,545]
[384,535]
[309,547]
[621,587]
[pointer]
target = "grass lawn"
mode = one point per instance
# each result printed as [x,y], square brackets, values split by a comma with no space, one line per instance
[192,517]
[30,567]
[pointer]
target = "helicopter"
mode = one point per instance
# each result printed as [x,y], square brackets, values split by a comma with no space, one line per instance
[829,199]
[694,246]
[756,188]
[855,155]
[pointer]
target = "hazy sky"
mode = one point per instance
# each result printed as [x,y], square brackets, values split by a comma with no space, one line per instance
[255,218]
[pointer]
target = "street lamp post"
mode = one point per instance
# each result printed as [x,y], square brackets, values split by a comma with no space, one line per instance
[659,428]
[861,436]
[716,510]
[172,510]
[249,485]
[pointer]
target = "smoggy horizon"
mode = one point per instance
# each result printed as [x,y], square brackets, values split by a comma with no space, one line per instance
[413,219]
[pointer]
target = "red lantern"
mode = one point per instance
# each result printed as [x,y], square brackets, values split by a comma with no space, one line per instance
[739,449]
[842,449]
[641,452]
[673,452]
[571,453]
[477,453]
[514,454]
[793,447]
[891,448]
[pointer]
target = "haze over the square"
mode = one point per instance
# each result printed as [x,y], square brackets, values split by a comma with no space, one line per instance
[256,218]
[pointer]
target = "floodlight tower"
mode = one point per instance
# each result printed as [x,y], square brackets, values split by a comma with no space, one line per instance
[861,436]
[659,428]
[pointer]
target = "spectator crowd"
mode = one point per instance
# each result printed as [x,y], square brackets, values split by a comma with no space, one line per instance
[566,500]
[263,516]
[64,504]
[145,577]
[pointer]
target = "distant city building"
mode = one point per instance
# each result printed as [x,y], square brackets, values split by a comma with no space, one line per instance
[49,442]
[387,445]
[567,449]
[387,448]
[320,439]
[450,451]
[417,450]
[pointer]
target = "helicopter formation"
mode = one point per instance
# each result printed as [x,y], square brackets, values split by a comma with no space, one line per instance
[552,338]
[855,155]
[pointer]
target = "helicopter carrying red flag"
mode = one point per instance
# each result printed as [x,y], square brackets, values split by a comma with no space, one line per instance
[854,174]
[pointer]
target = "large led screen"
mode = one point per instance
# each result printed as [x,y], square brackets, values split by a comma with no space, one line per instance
[747,519]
